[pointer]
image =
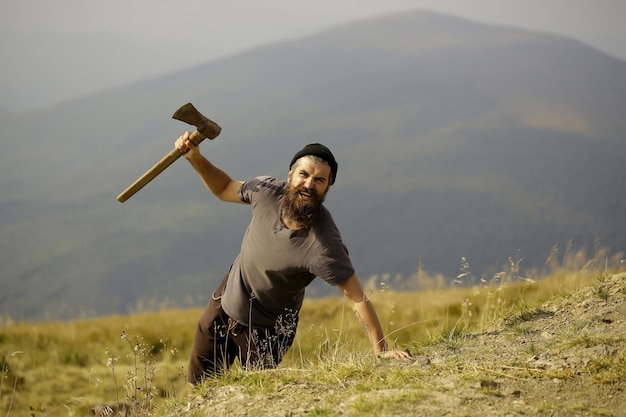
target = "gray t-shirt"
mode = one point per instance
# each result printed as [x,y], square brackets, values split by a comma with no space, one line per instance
[275,264]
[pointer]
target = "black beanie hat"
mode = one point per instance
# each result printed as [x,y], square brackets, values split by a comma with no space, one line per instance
[322,152]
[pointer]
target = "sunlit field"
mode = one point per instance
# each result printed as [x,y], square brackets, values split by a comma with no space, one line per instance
[70,368]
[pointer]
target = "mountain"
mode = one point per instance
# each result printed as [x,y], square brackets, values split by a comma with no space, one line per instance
[454,139]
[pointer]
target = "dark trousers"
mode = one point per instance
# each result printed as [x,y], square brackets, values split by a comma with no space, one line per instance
[219,340]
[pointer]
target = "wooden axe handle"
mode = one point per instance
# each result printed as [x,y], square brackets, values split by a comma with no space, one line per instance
[196,137]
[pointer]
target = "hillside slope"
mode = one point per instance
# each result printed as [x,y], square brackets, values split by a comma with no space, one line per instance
[453,139]
[554,347]
[566,358]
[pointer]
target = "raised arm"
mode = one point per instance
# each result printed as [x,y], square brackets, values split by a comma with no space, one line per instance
[215,180]
[368,318]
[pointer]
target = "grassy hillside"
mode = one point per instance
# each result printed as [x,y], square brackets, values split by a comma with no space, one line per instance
[514,343]
[454,140]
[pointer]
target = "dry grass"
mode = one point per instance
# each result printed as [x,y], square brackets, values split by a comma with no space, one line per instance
[67,368]
[62,367]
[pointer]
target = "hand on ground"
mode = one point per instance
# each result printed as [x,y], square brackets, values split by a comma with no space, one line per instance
[395,354]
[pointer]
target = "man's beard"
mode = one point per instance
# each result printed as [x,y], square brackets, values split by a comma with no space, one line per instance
[304,213]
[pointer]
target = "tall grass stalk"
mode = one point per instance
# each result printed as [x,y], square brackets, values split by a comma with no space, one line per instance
[4,375]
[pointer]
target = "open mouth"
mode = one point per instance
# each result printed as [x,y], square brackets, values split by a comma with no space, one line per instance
[305,195]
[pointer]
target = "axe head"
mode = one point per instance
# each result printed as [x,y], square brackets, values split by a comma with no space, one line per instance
[189,114]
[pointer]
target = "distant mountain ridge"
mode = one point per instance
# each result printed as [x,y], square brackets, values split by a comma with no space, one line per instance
[453,139]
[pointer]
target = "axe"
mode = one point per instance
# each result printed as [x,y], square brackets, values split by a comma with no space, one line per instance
[205,129]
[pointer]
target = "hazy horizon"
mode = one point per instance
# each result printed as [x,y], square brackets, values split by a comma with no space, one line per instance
[56,51]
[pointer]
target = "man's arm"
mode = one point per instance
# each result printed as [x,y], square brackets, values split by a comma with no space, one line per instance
[368,318]
[215,180]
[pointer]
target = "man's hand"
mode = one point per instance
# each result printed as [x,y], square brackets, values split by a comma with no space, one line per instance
[186,147]
[394,354]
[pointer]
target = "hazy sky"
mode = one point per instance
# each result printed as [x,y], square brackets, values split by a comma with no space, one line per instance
[58,49]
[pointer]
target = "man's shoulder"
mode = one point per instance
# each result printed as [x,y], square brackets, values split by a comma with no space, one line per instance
[264,182]
[325,227]
[262,185]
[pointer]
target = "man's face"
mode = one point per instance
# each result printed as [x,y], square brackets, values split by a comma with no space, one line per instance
[310,180]
[308,184]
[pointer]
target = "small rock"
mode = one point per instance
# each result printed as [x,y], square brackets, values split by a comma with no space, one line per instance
[599,351]
[422,361]
[606,310]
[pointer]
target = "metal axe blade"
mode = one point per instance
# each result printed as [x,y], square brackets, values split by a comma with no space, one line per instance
[190,115]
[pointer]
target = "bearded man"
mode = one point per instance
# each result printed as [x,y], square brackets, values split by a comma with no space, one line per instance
[291,239]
